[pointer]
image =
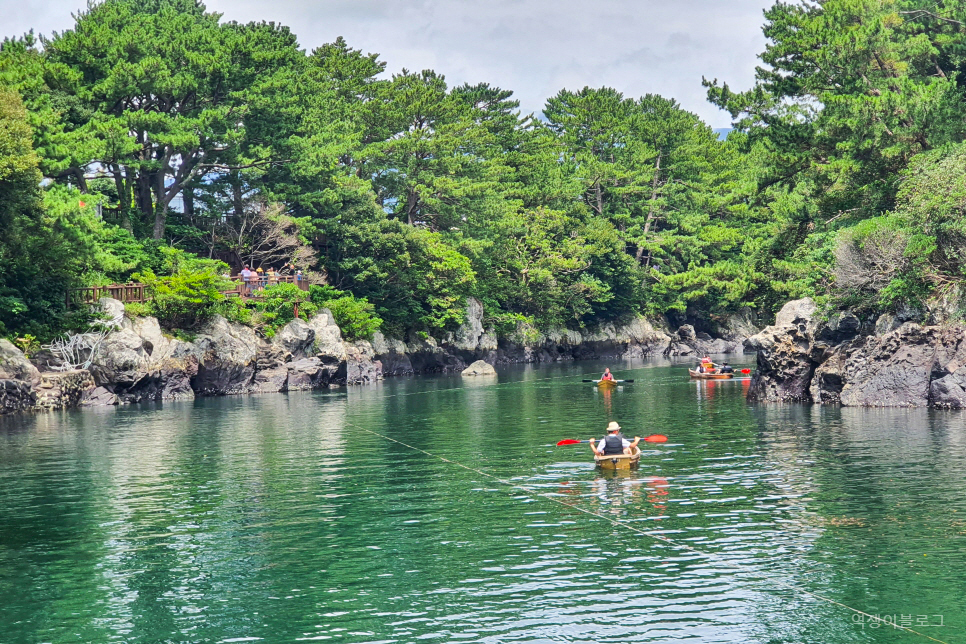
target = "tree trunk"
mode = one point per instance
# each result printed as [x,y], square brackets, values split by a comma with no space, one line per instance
[237,195]
[188,194]
[81,180]
[160,219]
[410,207]
[142,196]
[123,186]
[123,195]
[160,205]
[655,182]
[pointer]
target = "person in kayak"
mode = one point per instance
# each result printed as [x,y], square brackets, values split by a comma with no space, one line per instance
[614,442]
[707,365]
[607,374]
[727,368]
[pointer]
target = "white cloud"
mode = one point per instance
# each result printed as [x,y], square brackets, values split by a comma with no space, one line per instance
[533,47]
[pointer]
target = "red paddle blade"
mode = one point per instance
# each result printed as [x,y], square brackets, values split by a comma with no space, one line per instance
[746,371]
[656,438]
[568,441]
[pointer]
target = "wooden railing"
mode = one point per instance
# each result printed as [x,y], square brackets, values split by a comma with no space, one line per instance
[135,292]
[91,294]
[257,284]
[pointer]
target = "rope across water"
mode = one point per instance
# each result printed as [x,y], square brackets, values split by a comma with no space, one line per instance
[627,526]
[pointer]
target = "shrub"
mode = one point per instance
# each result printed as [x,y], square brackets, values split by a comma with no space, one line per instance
[28,344]
[276,305]
[187,299]
[137,309]
[233,309]
[869,256]
[356,316]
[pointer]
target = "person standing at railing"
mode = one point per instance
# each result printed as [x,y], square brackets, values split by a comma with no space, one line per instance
[260,277]
[272,277]
[246,276]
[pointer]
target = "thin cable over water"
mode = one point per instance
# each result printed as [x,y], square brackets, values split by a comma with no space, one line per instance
[618,522]
[501,384]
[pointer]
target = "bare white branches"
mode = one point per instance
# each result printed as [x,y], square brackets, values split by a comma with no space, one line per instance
[869,264]
[263,235]
[79,350]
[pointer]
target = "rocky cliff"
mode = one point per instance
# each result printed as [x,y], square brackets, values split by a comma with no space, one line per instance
[635,339]
[138,362]
[807,356]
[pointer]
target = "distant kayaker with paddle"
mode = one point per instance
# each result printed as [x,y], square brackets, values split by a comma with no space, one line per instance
[707,365]
[607,374]
[613,443]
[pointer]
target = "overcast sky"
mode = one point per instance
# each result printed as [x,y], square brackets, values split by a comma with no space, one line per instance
[533,47]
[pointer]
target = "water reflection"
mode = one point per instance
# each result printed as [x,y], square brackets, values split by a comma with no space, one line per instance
[282,518]
[605,396]
[657,494]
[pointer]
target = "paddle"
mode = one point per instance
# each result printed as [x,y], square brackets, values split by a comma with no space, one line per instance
[589,380]
[653,438]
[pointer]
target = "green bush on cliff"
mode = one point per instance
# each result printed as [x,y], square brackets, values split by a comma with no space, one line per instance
[276,305]
[355,315]
[192,294]
[913,254]
[184,300]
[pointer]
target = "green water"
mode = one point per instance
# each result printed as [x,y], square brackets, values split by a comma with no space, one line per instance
[280,518]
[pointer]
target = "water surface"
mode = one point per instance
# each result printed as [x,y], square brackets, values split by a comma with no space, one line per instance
[439,510]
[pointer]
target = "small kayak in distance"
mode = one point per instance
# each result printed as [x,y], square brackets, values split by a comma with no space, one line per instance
[710,376]
[619,461]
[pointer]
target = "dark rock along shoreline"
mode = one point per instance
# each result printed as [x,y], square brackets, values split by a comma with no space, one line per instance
[805,357]
[138,362]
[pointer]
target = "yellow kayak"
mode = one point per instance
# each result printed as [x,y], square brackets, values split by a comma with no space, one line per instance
[619,461]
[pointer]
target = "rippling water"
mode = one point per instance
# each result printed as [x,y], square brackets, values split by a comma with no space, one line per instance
[284,518]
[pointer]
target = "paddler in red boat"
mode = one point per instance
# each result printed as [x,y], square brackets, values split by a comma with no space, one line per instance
[707,366]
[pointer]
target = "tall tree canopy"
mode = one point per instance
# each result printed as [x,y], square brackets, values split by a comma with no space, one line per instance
[162,93]
[850,93]
[416,195]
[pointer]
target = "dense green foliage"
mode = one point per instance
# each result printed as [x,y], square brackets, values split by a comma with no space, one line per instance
[50,239]
[852,119]
[355,316]
[191,294]
[277,304]
[843,178]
